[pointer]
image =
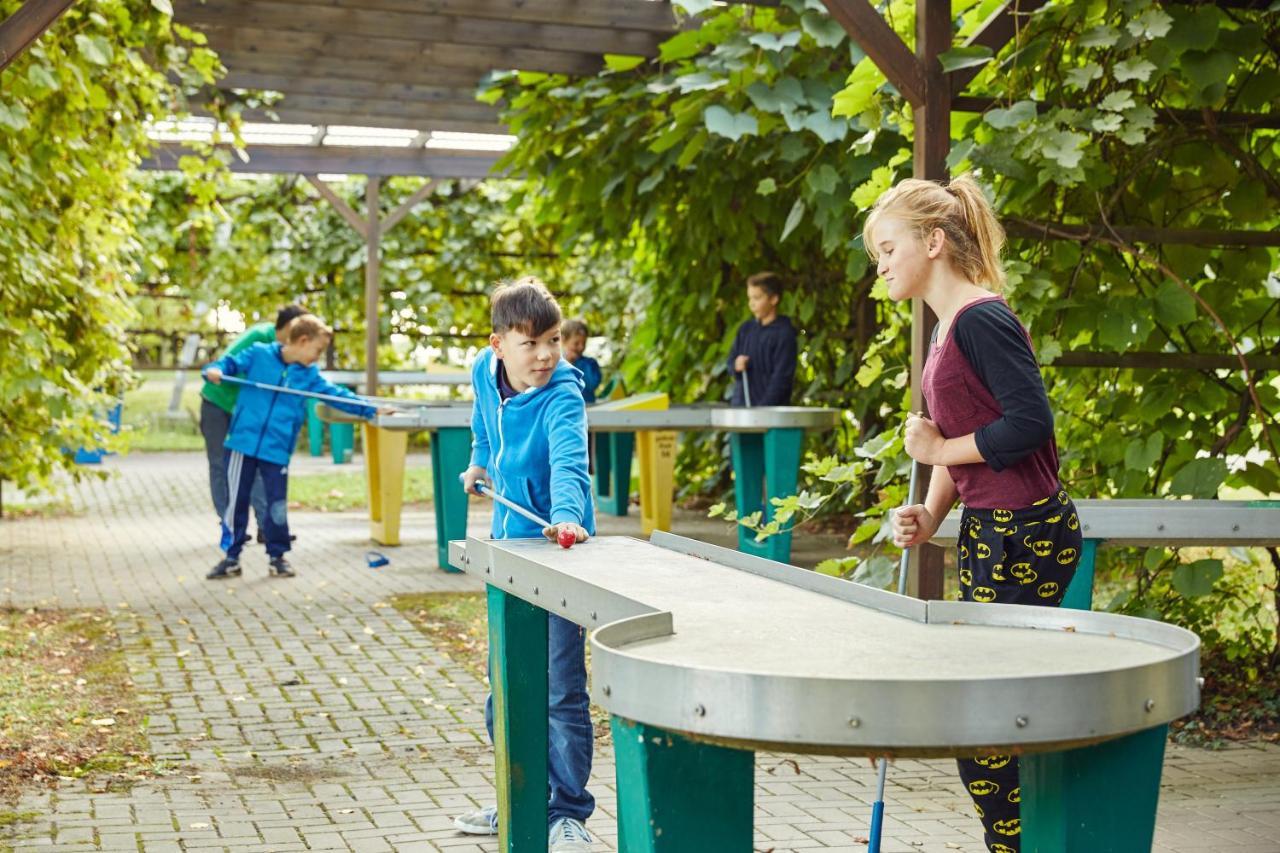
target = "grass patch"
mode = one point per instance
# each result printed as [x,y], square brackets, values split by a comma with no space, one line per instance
[457,621]
[9,818]
[145,421]
[67,704]
[48,506]
[347,490]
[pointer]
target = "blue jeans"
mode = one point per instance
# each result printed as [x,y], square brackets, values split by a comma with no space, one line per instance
[215,422]
[570,737]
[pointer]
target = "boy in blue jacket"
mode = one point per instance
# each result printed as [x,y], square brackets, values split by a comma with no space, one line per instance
[573,337]
[529,442]
[264,432]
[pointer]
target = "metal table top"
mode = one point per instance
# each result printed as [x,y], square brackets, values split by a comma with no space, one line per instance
[1166,522]
[681,418]
[736,649]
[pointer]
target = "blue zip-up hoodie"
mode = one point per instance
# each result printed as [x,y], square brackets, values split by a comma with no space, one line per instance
[265,424]
[534,446]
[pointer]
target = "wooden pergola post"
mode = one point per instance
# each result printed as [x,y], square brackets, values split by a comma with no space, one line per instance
[371,227]
[930,92]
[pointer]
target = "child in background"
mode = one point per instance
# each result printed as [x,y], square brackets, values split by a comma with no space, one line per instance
[573,338]
[264,432]
[529,443]
[989,435]
[763,358]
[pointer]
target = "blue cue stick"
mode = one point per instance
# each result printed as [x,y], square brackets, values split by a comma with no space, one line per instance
[328,398]
[877,808]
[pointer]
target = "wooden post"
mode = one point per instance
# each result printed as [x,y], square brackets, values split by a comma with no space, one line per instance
[373,239]
[930,147]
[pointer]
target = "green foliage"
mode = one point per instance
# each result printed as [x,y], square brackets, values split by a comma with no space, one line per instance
[72,113]
[260,243]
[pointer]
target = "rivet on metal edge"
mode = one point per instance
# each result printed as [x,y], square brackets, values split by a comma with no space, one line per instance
[854,722]
[535,590]
[1149,704]
[1159,527]
[700,710]
[608,691]
[1021,721]
[511,578]
[564,602]
[593,614]
[1235,528]
[488,570]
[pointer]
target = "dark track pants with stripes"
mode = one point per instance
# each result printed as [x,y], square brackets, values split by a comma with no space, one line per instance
[241,470]
[1021,556]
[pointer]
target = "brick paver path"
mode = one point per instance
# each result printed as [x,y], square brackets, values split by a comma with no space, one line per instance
[309,715]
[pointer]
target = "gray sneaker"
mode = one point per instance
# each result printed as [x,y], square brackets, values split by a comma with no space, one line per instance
[227,568]
[568,836]
[479,822]
[280,568]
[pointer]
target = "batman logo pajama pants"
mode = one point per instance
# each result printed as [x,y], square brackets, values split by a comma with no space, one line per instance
[1021,556]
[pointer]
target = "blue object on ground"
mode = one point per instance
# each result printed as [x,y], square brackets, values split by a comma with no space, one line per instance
[375,559]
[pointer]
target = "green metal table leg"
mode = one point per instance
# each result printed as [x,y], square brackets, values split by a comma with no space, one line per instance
[450,452]
[676,795]
[315,430]
[342,442]
[614,451]
[1096,799]
[765,467]
[1079,595]
[518,678]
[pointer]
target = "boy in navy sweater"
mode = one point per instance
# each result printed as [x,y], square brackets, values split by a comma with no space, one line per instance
[529,442]
[763,358]
[264,432]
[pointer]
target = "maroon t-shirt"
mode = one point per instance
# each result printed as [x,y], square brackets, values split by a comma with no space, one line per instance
[983,378]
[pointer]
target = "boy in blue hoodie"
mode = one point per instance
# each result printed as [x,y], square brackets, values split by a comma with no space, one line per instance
[264,432]
[529,442]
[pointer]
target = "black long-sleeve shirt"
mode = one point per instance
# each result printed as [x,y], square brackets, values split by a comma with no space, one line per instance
[771,369]
[996,346]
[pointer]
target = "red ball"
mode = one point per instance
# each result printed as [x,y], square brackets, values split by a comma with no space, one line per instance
[567,538]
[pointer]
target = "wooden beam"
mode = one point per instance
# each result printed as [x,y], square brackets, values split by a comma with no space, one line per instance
[339,204]
[419,195]
[302,159]
[412,113]
[1164,115]
[303,84]
[996,31]
[363,118]
[330,69]
[416,26]
[640,15]
[25,25]
[878,40]
[1029,228]
[307,45]
[372,291]
[1165,360]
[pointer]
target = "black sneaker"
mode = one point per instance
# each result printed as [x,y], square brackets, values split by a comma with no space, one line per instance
[228,568]
[280,568]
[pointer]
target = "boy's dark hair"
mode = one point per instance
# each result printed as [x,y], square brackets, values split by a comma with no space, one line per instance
[770,282]
[286,315]
[573,328]
[524,305]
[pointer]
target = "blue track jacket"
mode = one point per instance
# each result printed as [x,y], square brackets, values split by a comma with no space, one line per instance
[534,446]
[265,424]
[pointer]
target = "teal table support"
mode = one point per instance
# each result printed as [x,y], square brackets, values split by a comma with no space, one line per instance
[1096,799]
[765,466]
[1079,594]
[450,452]
[676,795]
[614,451]
[342,442]
[518,678]
[315,430]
